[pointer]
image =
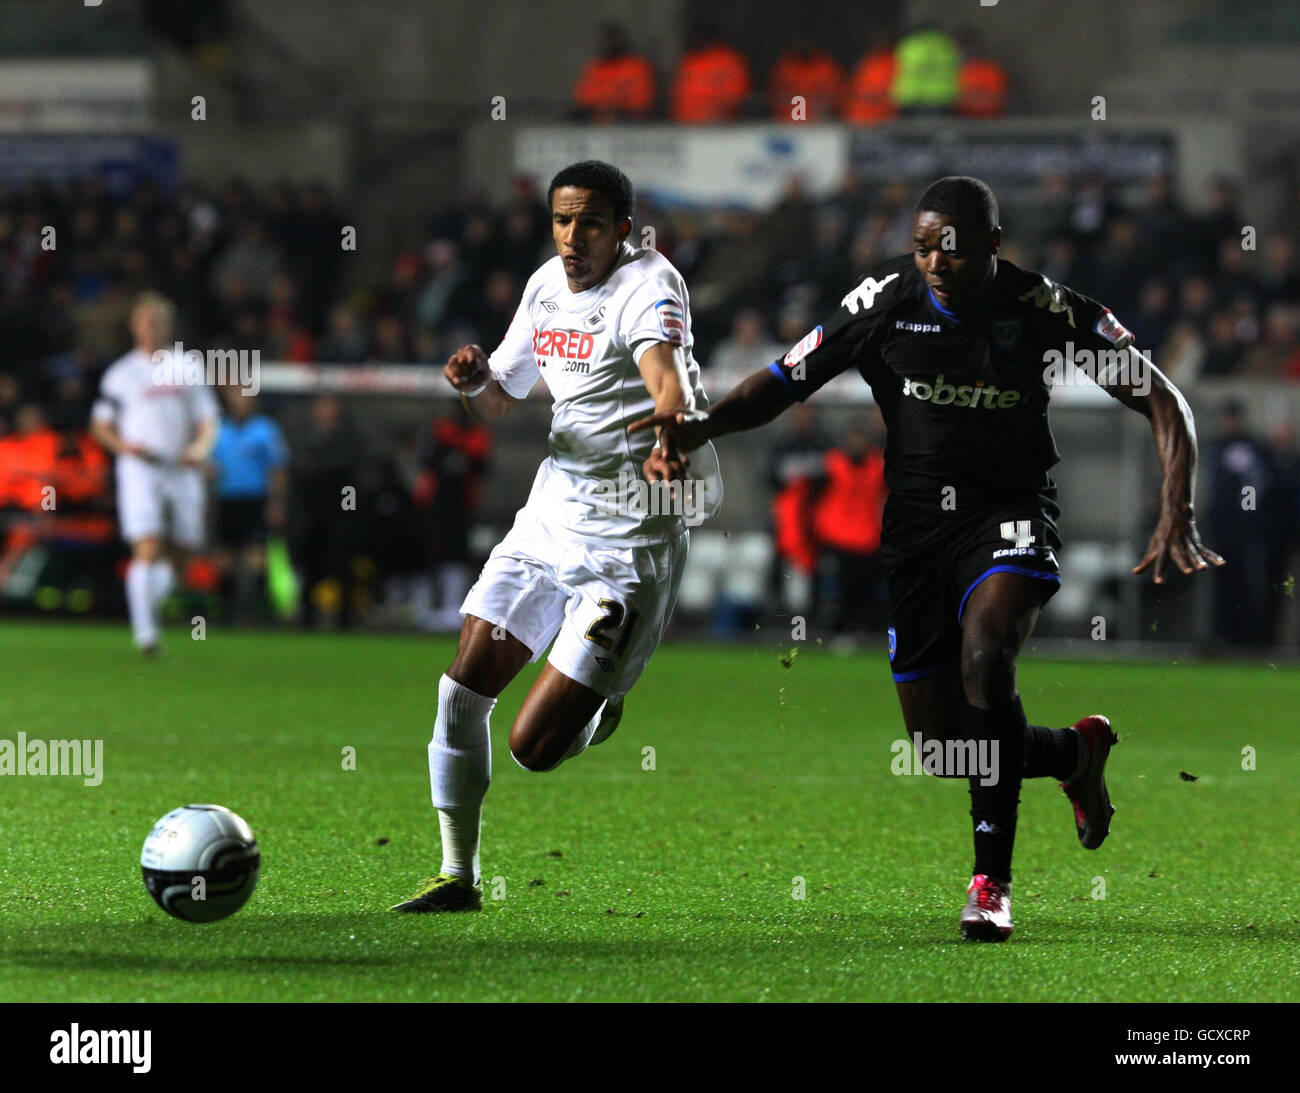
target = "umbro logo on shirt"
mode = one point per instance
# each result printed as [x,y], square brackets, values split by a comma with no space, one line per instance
[550,306]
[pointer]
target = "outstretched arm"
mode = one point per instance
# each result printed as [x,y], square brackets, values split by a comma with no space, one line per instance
[1144,388]
[754,401]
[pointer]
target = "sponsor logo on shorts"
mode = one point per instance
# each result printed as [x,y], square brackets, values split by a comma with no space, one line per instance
[977,395]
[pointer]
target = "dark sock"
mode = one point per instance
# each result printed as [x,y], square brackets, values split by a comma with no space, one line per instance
[1050,753]
[993,807]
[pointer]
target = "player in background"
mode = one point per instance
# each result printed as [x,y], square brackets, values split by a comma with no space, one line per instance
[161,434]
[958,347]
[595,557]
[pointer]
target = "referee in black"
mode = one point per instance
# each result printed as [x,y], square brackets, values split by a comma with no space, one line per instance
[959,348]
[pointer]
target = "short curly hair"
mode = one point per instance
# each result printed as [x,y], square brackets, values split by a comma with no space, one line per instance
[603,178]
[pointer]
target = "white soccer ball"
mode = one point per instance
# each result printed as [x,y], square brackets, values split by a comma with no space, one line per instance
[200,863]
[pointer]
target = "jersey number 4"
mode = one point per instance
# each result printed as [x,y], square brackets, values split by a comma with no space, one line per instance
[612,619]
[1017,531]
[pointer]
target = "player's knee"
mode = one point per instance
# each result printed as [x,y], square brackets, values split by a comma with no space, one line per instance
[988,667]
[531,748]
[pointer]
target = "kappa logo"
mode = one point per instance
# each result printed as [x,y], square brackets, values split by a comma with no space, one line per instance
[1050,295]
[986,828]
[863,298]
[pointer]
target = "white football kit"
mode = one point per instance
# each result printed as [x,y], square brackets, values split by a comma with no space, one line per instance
[595,557]
[161,418]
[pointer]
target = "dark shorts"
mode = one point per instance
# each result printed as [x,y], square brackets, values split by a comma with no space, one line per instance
[935,559]
[241,522]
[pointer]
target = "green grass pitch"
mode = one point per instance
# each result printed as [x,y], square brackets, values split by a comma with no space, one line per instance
[620,882]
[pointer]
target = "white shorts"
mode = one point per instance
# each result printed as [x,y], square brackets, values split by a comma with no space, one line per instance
[144,493]
[606,608]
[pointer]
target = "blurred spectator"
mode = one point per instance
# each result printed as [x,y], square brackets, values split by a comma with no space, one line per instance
[807,72]
[982,81]
[452,458]
[868,93]
[325,474]
[1242,481]
[28,458]
[346,341]
[1277,354]
[1281,526]
[616,84]
[796,473]
[712,83]
[749,346]
[926,81]
[846,524]
[249,464]
[11,393]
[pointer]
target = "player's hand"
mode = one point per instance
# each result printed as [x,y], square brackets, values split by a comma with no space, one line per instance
[194,457]
[139,451]
[1177,540]
[680,430]
[666,463]
[467,368]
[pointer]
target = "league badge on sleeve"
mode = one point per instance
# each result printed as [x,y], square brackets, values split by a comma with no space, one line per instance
[809,342]
[672,321]
[1112,330]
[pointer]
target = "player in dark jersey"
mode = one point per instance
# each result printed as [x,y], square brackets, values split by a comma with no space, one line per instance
[959,347]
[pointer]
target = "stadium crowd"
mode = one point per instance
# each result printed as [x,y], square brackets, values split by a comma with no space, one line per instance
[262,269]
[924,72]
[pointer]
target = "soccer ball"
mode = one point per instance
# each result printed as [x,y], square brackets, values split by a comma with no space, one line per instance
[200,863]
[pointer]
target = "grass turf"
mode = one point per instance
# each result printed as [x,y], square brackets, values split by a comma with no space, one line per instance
[620,882]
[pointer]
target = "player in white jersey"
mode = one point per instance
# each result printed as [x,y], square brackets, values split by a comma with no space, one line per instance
[595,557]
[161,433]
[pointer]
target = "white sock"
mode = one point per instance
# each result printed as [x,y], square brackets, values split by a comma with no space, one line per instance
[144,626]
[160,582]
[460,769]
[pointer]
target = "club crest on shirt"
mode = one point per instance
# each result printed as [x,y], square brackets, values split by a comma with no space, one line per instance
[596,320]
[672,321]
[1006,334]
